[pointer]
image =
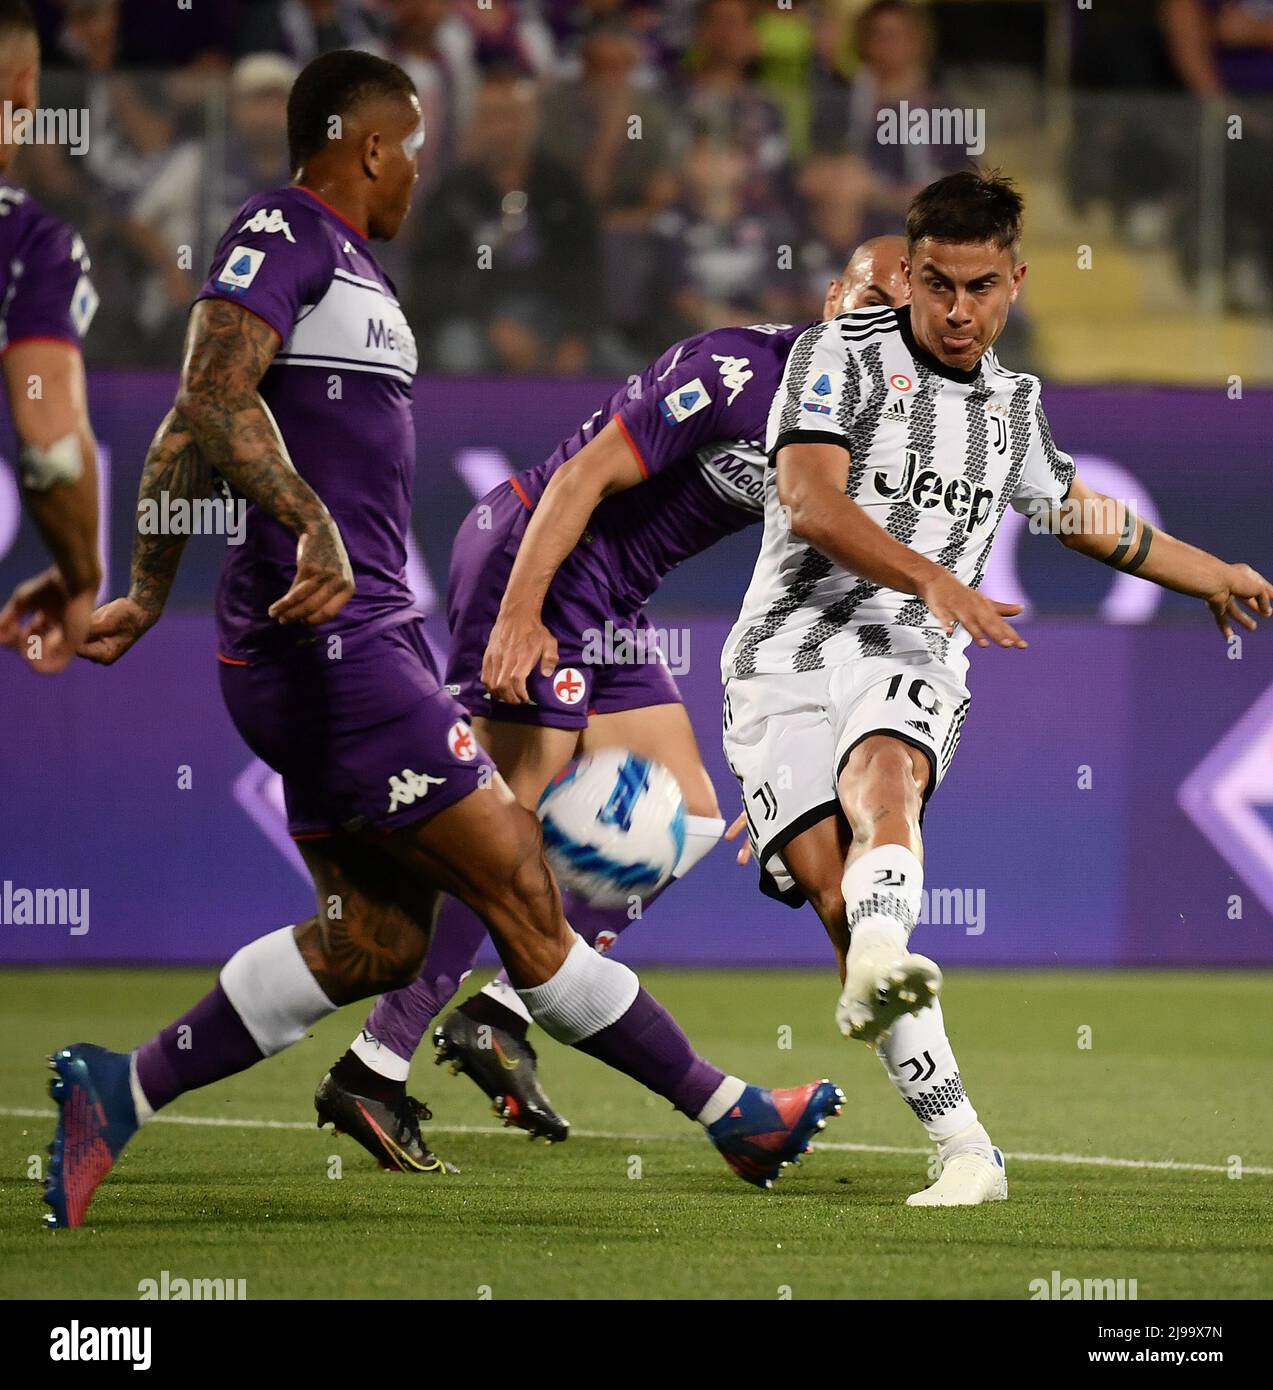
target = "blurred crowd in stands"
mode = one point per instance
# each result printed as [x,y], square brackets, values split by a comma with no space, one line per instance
[639,170]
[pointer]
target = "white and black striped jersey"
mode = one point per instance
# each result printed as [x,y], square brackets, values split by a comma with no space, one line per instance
[936,455]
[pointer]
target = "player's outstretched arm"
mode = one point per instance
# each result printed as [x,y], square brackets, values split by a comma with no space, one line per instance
[173,467]
[228,350]
[811,486]
[519,639]
[47,616]
[1109,531]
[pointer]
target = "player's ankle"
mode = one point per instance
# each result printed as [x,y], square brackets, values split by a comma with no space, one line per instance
[355,1075]
[481,1008]
[972,1139]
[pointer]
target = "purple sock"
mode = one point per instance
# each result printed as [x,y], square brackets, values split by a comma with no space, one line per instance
[400,1020]
[204,1045]
[647,1044]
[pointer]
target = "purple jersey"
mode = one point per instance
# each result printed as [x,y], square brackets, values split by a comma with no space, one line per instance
[45,291]
[695,419]
[339,389]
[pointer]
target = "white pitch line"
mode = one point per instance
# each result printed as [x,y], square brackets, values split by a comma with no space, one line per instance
[1072,1160]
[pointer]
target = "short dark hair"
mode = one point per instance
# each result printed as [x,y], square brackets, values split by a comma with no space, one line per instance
[967,207]
[17,17]
[334,84]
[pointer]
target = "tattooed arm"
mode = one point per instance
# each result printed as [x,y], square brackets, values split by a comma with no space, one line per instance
[1109,531]
[227,352]
[173,466]
[219,421]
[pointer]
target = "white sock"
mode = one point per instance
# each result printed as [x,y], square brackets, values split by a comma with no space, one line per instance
[921,1063]
[722,1100]
[588,993]
[701,834]
[273,992]
[372,1053]
[141,1105]
[882,897]
[503,993]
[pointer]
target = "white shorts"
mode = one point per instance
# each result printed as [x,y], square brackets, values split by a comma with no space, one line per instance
[788,735]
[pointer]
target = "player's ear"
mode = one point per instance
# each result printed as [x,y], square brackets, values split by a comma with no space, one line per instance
[372,155]
[26,89]
[1018,274]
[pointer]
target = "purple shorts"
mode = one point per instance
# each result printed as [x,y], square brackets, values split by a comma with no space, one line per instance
[580,612]
[365,743]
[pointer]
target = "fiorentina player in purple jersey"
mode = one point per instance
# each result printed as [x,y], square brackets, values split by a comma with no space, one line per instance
[681,443]
[296,388]
[46,305]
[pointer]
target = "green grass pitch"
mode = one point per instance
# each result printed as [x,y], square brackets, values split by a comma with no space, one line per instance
[637,1205]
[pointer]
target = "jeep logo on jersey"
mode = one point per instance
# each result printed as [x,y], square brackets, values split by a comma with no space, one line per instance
[569,686]
[685,401]
[925,490]
[460,740]
[410,787]
[735,373]
[272,221]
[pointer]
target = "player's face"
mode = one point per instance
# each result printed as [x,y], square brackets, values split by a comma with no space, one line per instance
[960,296]
[397,169]
[879,282]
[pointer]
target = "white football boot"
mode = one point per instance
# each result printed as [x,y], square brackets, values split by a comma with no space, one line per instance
[882,984]
[969,1179]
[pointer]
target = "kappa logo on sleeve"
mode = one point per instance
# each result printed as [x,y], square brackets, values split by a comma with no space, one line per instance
[271,221]
[240,268]
[735,373]
[685,401]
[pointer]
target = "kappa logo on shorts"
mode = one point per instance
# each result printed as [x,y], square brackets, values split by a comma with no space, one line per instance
[569,685]
[410,787]
[460,740]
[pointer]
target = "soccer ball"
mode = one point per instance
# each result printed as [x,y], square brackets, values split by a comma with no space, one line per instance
[614,826]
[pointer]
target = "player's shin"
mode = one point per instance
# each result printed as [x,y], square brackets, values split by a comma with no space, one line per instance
[265,1000]
[921,1063]
[399,1020]
[598,1006]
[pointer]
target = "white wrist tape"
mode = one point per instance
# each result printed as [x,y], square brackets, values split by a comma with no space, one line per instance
[44,466]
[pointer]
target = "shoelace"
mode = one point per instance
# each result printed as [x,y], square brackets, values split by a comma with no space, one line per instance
[410,1112]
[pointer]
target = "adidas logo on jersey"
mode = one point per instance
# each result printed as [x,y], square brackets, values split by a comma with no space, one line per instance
[897,411]
[926,490]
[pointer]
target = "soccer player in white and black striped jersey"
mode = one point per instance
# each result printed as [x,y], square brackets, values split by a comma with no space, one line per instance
[896,443]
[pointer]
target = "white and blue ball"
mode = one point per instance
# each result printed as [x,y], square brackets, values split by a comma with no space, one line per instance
[614,826]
